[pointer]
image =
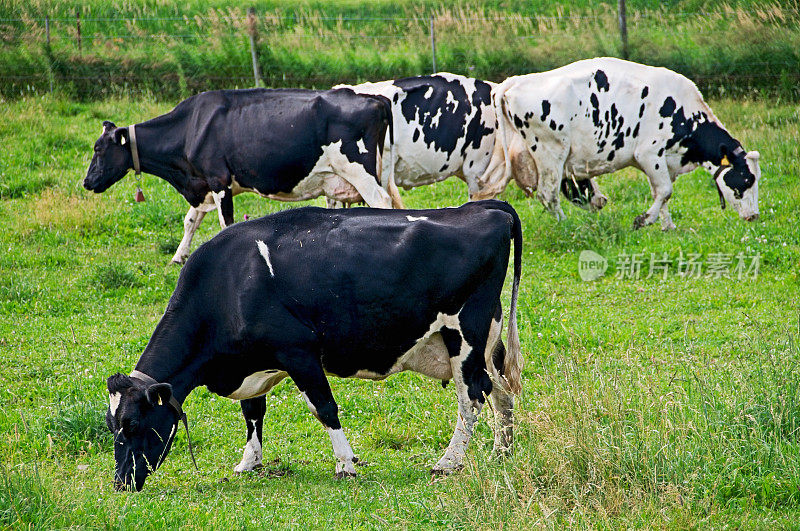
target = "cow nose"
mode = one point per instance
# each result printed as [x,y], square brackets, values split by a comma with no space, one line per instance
[752,218]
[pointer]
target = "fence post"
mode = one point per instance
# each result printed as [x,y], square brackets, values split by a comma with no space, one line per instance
[78,25]
[251,27]
[623,28]
[48,52]
[433,46]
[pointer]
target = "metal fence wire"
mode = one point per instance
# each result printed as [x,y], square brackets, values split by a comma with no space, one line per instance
[731,50]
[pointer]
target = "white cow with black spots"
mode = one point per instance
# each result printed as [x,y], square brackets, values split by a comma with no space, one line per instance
[600,115]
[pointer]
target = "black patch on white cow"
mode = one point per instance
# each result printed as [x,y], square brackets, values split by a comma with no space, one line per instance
[602,81]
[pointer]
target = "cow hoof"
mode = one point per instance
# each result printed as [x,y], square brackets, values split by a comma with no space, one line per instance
[442,471]
[668,226]
[239,469]
[502,452]
[176,262]
[598,202]
[639,221]
[344,474]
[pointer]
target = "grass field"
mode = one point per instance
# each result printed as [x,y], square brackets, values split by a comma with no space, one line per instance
[647,402]
[729,47]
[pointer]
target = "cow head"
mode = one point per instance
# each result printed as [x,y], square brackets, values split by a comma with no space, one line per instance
[143,424]
[112,158]
[737,182]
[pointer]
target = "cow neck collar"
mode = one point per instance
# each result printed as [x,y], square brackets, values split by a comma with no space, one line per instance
[139,375]
[134,150]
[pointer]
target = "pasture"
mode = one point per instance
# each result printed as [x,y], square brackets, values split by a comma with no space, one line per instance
[670,401]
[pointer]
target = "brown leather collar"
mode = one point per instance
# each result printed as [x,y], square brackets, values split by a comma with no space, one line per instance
[134,150]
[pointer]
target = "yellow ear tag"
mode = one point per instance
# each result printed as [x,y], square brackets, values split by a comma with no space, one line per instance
[160,403]
[725,161]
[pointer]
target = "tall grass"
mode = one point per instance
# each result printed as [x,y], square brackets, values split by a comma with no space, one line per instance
[598,440]
[737,48]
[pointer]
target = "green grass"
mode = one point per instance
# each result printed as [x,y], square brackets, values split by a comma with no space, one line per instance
[646,403]
[738,47]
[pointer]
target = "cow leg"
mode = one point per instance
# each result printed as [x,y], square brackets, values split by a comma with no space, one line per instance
[468,364]
[224,202]
[357,175]
[191,222]
[316,391]
[550,162]
[468,411]
[599,199]
[253,410]
[661,190]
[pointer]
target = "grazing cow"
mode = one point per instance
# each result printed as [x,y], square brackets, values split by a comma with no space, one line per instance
[444,124]
[359,293]
[600,115]
[288,144]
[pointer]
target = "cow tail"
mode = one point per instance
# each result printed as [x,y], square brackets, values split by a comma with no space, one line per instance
[513,363]
[499,98]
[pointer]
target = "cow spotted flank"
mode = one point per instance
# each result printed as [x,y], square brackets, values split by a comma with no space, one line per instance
[444,125]
[668,130]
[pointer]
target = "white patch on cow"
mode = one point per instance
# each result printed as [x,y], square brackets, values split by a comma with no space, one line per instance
[451,100]
[264,250]
[420,218]
[311,406]
[252,456]
[429,354]
[343,452]
[113,402]
[257,384]
[122,141]
[362,148]
[428,93]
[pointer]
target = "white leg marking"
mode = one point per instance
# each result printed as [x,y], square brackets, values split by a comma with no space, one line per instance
[366,184]
[190,223]
[311,407]
[113,402]
[344,454]
[218,201]
[412,218]
[264,250]
[251,459]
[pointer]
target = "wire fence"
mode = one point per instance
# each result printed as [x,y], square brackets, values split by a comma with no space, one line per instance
[730,50]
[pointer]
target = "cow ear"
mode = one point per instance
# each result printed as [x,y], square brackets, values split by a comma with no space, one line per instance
[159,394]
[121,136]
[108,126]
[723,152]
[118,382]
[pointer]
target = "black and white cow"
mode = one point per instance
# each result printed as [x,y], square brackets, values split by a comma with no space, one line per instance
[445,125]
[600,115]
[359,293]
[288,144]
